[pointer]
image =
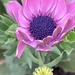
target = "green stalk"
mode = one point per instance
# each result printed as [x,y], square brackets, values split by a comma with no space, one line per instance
[32,57]
[40,59]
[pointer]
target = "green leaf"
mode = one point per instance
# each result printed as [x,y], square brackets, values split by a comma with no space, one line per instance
[29,61]
[7,20]
[2,8]
[30,55]
[5,1]
[55,61]
[3,39]
[6,23]
[69,65]
[66,47]
[9,44]
[10,33]
[72,45]
[71,36]
[40,59]
[11,30]
[3,25]
[13,27]
[2,32]
[13,67]
[11,51]
[27,57]
[23,58]
[55,50]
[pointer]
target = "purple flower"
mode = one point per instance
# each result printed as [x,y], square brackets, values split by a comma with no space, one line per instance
[42,23]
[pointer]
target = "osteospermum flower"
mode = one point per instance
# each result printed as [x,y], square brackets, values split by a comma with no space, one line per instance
[42,23]
[43,71]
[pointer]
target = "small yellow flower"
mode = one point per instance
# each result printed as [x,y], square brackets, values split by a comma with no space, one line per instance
[43,71]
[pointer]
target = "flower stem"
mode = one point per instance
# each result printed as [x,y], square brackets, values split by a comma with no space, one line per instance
[32,57]
[40,59]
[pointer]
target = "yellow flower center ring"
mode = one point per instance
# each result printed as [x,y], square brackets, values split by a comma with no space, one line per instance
[43,71]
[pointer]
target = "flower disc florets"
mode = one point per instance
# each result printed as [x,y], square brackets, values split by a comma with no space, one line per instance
[41,27]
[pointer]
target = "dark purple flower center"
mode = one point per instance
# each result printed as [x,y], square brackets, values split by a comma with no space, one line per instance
[41,27]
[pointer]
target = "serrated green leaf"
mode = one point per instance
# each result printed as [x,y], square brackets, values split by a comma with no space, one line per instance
[53,55]
[55,61]
[9,17]
[72,45]
[11,51]
[6,20]
[23,57]
[29,61]
[9,43]
[13,27]
[30,55]
[10,33]
[5,1]
[13,67]
[71,36]
[66,47]
[3,39]
[3,25]
[11,30]
[22,60]
[2,32]
[55,50]
[2,8]
[69,65]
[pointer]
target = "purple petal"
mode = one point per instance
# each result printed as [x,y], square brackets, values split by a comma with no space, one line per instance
[27,13]
[47,40]
[53,6]
[64,20]
[60,9]
[54,43]
[34,6]
[63,35]
[71,7]
[42,46]
[20,49]
[45,6]
[57,32]
[31,43]
[12,9]
[69,25]
[23,34]
[23,22]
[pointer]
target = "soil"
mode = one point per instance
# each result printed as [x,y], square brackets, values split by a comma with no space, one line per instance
[59,71]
